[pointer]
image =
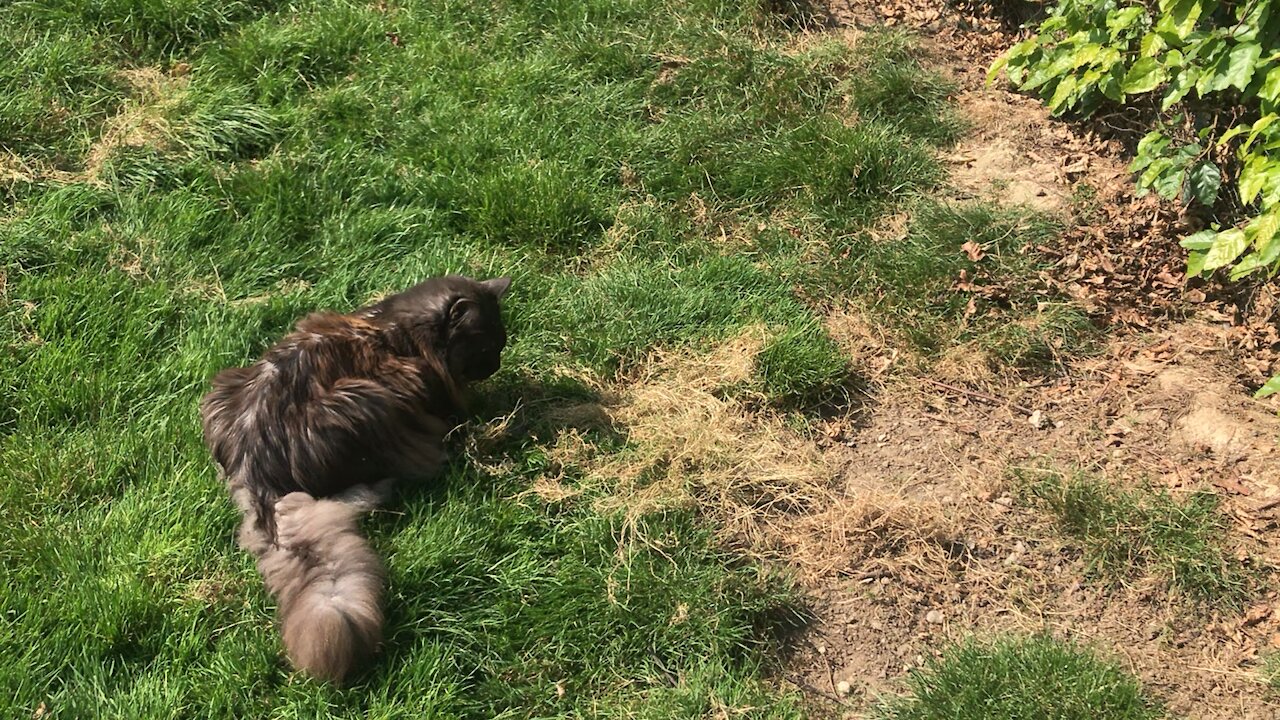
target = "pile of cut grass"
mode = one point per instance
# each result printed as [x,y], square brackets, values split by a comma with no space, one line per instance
[182,180]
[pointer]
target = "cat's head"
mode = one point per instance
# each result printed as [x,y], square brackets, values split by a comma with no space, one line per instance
[459,318]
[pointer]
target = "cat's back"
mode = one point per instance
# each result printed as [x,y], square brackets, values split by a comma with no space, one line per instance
[322,349]
[325,347]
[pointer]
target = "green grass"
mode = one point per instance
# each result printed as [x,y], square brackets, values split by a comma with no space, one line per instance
[1015,677]
[915,280]
[1270,671]
[653,174]
[1123,532]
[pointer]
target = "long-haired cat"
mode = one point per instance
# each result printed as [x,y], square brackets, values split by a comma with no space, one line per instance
[303,436]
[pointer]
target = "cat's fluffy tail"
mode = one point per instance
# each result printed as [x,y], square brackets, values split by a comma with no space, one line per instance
[327,580]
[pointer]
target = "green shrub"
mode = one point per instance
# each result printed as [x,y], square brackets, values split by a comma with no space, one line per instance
[1213,71]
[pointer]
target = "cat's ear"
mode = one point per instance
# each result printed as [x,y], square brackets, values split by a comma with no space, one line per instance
[459,310]
[497,286]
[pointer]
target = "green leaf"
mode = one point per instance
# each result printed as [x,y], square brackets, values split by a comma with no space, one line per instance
[1252,17]
[1204,181]
[1086,54]
[1062,63]
[1022,49]
[1118,20]
[1000,64]
[1268,253]
[1152,44]
[1153,143]
[1108,57]
[1145,76]
[1253,176]
[1271,87]
[1271,388]
[1158,169]
[1187,153]
[1226,247]
[1182,83]
[1165,177]
[1202,240]
[1263,230]
[1195,263]
[1217,60]
[1248,264]
[1241,63]
[1232,133]
[1179,17]
[1110,87]
[1258,128]
[1062,95]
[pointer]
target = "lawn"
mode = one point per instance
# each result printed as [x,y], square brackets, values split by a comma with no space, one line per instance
[182,180]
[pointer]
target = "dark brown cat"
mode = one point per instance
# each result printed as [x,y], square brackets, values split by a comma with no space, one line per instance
[340,404]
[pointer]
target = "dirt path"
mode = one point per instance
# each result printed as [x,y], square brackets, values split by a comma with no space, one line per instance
[950,549]
[925,540]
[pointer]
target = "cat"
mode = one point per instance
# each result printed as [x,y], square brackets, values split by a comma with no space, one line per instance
[304,436]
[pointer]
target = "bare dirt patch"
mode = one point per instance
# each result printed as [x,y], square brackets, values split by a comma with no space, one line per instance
[966,555]
[998,160]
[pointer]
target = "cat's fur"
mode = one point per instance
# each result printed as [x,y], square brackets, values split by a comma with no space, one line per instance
[338,405]
[326,579]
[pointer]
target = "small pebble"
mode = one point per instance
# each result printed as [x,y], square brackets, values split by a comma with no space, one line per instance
[934,617]
[843,688]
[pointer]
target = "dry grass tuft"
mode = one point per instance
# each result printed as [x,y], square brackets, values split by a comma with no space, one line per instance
[773,493]
[873,347]
[968,363]
[870,532]
[142,120]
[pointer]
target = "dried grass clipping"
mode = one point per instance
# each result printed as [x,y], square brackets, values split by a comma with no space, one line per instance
[773,494]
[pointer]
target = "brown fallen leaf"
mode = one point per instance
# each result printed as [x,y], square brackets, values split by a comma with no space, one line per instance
[973,250]
[1256,614]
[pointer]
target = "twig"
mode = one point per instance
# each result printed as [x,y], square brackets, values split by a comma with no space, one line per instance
[812,689]
[979,395]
